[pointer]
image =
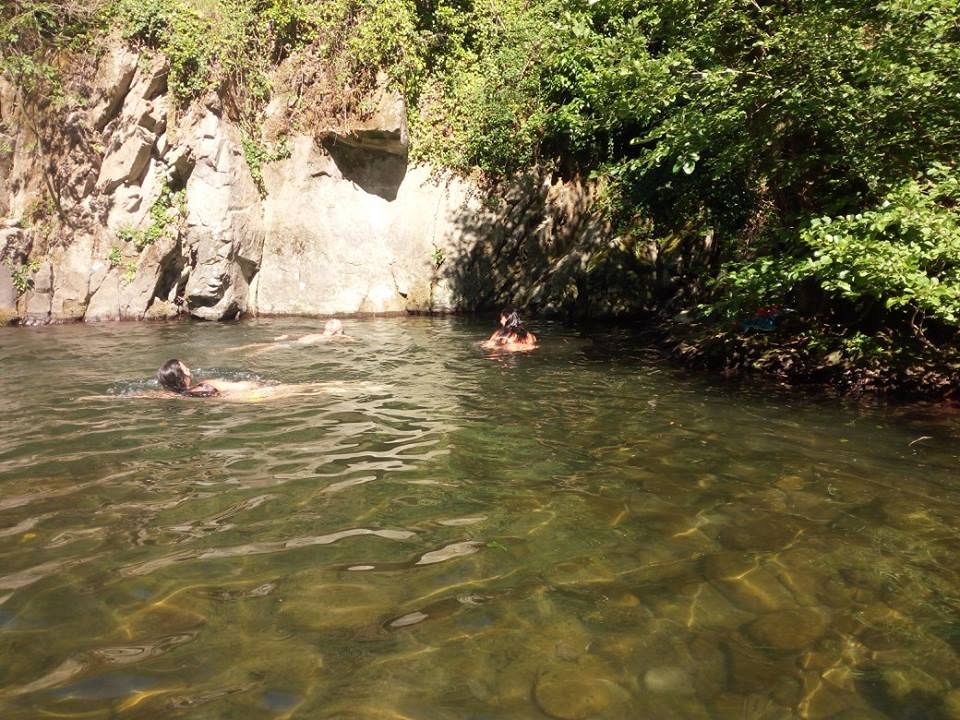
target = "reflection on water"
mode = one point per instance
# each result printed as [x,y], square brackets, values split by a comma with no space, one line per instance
[580,532]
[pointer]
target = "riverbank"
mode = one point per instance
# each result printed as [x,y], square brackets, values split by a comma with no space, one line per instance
[828,358]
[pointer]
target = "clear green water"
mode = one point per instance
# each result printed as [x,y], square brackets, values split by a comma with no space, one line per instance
[581,532]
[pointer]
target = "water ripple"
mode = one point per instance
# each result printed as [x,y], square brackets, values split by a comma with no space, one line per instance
[439,533]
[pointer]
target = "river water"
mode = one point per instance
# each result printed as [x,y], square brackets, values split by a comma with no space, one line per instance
[579,532]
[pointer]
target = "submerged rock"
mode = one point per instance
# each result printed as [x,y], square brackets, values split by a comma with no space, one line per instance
[788,629]
[951,704]
[565,692]
[668,679]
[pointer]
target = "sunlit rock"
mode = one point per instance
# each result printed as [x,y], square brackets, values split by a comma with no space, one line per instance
[224,222]
[8,296]
[747,583]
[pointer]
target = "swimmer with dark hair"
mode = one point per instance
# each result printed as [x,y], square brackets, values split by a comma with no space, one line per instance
[511,336]
[176,377]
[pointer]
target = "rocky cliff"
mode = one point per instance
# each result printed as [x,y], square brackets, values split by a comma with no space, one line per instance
[117,208]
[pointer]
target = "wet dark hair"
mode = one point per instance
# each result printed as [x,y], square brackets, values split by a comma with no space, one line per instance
[171,377]
[512,328]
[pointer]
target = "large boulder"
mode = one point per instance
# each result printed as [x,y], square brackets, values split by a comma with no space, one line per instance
[126,162]
[8,296]
[115,73]
[34,305]
[73,267]
[335,246]
[224,222]
[128,291]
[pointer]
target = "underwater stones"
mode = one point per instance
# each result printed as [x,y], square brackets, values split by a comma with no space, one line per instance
[790,482]
[706,664]
[333,606]
[798,570]
[580,571]
[163,618]
[821,700]
[768,533]
[747,583]
[731,706]
[566,692]
[668,679]
[751,671]
[793,629]
[909,683]
[906,514]
[951,704]
[707,607]
[859,714]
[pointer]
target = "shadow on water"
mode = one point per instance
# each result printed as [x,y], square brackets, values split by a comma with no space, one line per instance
[576,532]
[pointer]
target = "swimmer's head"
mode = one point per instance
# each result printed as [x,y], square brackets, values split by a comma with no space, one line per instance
[175,376]
[510,325]
[333,327]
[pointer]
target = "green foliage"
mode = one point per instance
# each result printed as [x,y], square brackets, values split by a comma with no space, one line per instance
[905,252]
[902,255]
[192,40]
[438,257]
[483,105]
[165,215]
[129,273]
[222,42]
[115,256]
[31,33]
[126,234]
[258,153]
[22,275]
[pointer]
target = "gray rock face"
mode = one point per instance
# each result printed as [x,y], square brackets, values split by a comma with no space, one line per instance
[334,247]
[8,296]
[224,223]
[131,290]
[127,163]
[346,224]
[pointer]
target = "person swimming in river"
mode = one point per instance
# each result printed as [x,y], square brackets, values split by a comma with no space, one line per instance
[175,377]
[511,335]
[332,330]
